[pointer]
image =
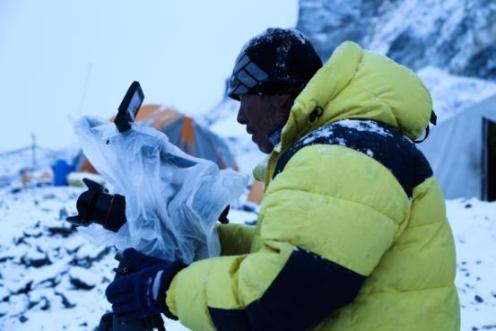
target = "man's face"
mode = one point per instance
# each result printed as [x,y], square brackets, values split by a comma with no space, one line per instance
[263,115]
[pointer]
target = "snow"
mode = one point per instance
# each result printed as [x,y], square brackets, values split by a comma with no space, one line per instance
[360,125]
[51,277]
[446,42]
[19,163]
[474,228]
[301,37]
[409,14]
[285,39]
[67,292]
[323,133]
[451,93]
[357,125]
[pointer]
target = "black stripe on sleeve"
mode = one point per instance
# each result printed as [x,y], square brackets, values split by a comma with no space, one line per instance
[307,289]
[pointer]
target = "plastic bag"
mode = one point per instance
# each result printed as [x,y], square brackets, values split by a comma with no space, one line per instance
[173,200]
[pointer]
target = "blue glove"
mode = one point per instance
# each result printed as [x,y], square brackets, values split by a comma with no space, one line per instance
[142,292]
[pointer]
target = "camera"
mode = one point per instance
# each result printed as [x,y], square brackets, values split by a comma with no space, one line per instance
[97,206]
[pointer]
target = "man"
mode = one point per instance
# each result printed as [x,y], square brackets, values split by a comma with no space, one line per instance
[352,232]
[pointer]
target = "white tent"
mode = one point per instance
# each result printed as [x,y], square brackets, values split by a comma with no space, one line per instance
[462,152]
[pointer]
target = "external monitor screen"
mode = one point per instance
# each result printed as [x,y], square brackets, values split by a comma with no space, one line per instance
[134,104]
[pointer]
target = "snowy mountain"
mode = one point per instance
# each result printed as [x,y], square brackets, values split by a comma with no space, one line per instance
[451,93]
[451,44]
[458,36]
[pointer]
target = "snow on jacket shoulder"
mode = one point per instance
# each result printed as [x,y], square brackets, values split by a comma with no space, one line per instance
[352,232]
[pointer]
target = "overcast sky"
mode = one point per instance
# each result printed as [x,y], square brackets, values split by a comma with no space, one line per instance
[62,59]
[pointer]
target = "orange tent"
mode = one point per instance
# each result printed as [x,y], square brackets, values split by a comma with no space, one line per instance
[256,192]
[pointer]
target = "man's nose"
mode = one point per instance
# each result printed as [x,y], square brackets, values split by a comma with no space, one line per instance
[241,118]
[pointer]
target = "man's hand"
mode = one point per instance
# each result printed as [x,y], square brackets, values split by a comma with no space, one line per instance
[142,292]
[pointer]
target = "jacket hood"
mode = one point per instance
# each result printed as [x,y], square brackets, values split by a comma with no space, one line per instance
[355,83]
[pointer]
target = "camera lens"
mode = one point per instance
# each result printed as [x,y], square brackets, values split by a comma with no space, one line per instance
[96,206]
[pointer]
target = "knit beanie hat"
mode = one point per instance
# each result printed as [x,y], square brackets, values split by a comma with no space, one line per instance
[278,61]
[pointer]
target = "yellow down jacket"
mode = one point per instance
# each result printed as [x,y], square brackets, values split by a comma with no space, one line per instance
[352,233]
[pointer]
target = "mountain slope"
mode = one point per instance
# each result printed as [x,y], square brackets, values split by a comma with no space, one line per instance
[458,36]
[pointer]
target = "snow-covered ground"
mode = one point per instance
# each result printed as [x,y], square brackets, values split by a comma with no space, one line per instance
[474,228]
[52,279]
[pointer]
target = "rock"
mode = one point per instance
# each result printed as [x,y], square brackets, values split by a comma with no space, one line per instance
[49,196]
[42,303]
[16,190]
[4,293]
[4,256]
[65,301]
[82,278]
[65,230]
[73,244]
[24,289]
[33,233]
[88,254]
[50,276]
[35,259]
[329,23]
